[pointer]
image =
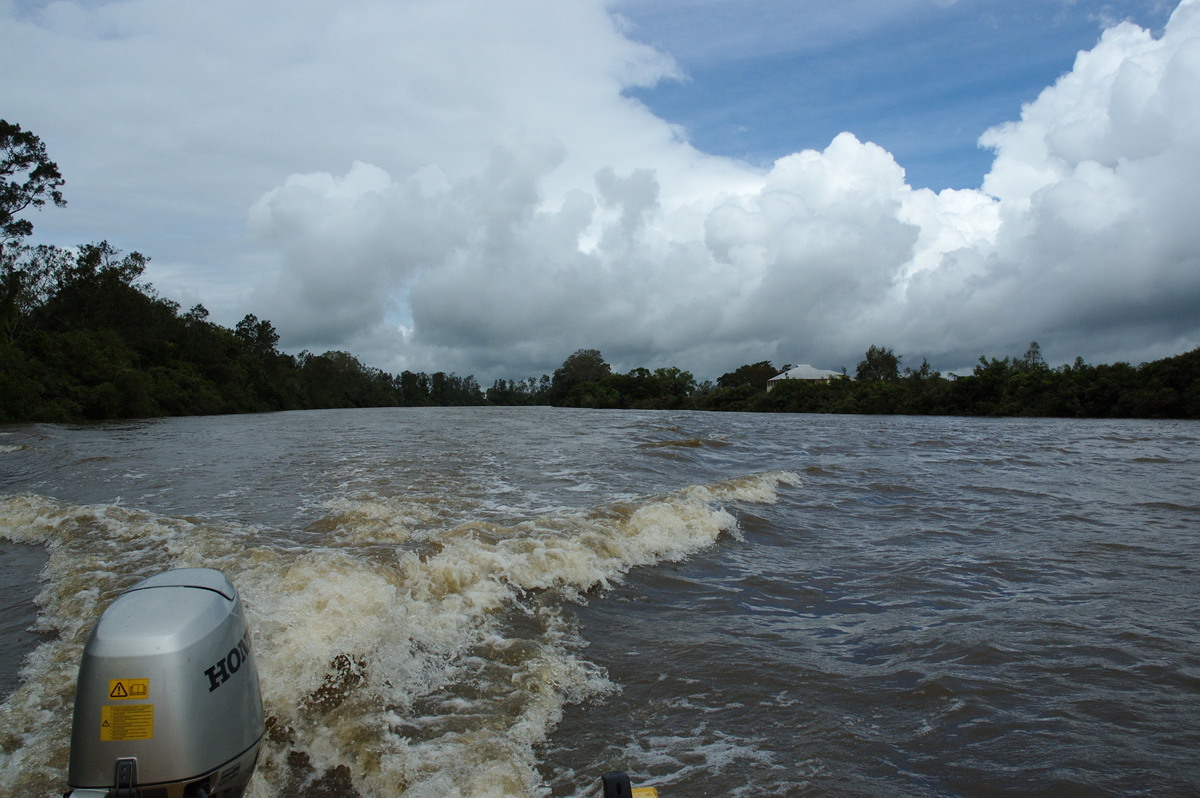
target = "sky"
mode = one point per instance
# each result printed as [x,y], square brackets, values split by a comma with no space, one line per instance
[485,186]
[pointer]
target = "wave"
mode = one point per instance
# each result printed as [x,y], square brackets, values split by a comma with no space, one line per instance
[685,443]
[399,654]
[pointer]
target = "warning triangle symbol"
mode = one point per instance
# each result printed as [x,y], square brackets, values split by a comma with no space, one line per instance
[118,691]
[105,723]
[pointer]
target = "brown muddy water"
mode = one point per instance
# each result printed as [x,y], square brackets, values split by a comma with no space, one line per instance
[495,602]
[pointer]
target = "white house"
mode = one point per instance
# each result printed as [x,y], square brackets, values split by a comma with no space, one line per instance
[805,372]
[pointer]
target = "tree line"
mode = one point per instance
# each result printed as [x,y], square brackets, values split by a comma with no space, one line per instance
[81,338]
[1022,385]
[84,337]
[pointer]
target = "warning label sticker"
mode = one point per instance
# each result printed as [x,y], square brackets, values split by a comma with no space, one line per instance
[127,722]
[128,688]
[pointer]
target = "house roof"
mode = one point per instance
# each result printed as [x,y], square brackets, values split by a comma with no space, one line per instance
[806,372]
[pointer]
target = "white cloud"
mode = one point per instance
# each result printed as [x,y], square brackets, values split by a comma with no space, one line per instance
[1095,183]
[1080,238]
[463,186]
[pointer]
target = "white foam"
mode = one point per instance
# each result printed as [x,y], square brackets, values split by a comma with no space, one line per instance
[429,660]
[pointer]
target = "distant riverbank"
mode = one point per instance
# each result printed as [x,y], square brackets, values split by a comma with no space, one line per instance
[83,339]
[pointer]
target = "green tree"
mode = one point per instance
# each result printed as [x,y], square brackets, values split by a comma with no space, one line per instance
[29,277]
[1032,360]
[414,387]
[674,386]
[28,178]
[924,391]
[259,337]
[755,375]
[880,364]
[518,392]
[578,376]
[338,379]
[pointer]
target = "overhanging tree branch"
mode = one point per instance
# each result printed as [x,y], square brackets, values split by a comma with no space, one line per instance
[28,178]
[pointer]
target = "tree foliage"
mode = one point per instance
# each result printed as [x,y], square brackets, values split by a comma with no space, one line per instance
[753,375]
[576,381]
[586,380]
[879,364]
[84,339]
[1007,386]
[529,391]
[28,178]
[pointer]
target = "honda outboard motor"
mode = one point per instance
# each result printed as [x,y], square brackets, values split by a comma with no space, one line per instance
[167,704]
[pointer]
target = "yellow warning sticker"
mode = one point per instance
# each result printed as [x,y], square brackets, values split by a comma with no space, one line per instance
[128,688]
[127,722]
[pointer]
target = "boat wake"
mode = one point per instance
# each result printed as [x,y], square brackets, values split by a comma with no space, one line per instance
[397,654]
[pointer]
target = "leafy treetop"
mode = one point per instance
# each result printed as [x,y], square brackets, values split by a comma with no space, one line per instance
[27,179]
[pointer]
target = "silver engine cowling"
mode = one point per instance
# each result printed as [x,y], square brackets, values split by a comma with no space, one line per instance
[167,704]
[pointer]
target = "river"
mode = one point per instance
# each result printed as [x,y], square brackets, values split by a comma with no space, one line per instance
[511,601]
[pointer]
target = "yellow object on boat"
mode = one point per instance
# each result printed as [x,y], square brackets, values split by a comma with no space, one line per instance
[616,785]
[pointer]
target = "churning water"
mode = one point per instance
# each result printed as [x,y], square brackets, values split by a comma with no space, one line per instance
[509,602]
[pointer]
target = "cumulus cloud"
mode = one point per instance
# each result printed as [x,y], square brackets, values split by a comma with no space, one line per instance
[1080,237]
[465,186]
[1095,183]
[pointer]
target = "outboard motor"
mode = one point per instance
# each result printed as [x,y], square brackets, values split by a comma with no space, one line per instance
[167,704]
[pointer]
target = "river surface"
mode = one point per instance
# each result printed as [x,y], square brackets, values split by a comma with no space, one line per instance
[510,602]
